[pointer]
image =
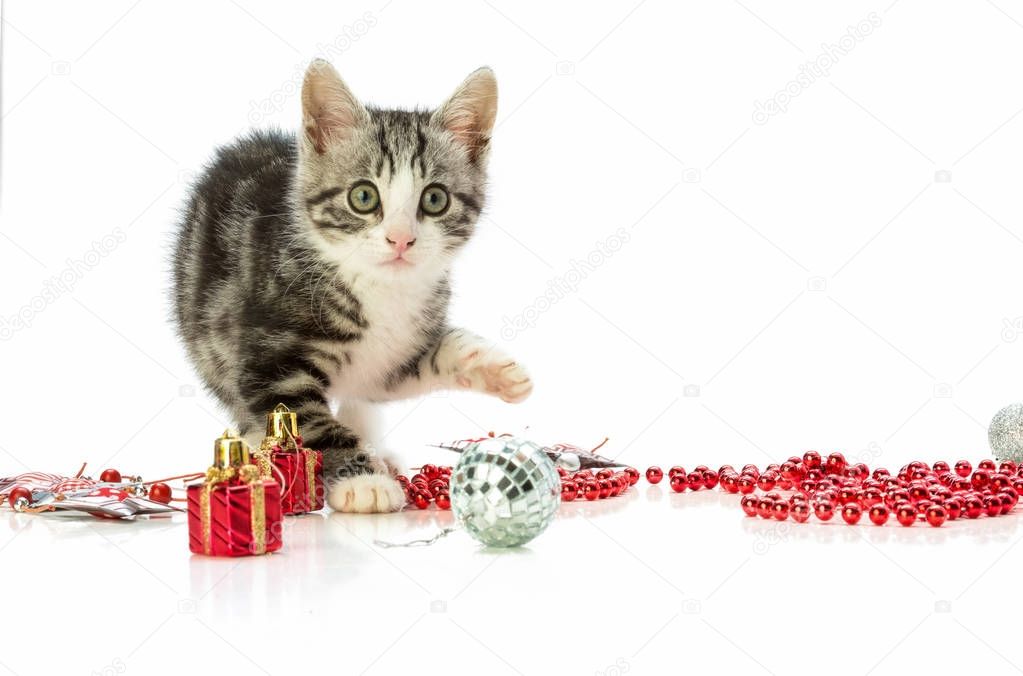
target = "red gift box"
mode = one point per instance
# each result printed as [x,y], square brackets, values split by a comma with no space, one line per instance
[302,473]
[235,511]
[235,517]
[299,470]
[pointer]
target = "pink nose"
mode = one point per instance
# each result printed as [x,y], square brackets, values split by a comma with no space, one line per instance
[400,241]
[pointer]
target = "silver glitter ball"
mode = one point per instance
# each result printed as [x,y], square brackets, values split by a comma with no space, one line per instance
[505,491]
[1005,433]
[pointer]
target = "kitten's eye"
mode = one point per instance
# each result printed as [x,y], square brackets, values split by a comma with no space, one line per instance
[363,198]
[434,200]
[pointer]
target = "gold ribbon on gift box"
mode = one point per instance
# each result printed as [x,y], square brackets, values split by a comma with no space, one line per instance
[281,432]
[230,460]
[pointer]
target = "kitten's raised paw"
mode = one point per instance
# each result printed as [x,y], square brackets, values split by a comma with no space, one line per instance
[366,494]
[495,373]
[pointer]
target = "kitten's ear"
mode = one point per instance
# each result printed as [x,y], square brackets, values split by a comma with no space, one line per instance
[330,112]
[470,112]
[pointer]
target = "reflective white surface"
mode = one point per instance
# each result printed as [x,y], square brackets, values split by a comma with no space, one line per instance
[645,583]
[845,275]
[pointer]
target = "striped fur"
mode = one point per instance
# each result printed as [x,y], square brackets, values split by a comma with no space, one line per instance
[284,293]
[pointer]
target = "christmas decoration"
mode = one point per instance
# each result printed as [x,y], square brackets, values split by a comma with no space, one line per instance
[299,470]
[1005,434]
[111,497]
[566,456]
[934,494]
[234,512]
[504,491]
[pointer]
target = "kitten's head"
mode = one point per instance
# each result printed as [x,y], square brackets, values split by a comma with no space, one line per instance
[390,193]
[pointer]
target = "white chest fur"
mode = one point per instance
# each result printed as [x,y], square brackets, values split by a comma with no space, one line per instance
[394,315]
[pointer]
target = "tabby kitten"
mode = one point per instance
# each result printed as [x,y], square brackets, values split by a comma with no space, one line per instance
[314,269]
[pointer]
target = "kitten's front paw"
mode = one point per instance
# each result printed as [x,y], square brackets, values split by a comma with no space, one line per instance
[366,494]
[487,369]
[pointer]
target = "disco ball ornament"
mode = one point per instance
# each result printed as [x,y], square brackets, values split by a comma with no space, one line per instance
[1005,434]
[505,491]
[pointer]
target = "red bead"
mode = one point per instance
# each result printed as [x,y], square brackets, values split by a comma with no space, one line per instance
[110,476]
[160,492]
[988,465]
[940,466]
[654,475]
[633,475]
[878,514]
[812,460]
[679,483]
[870,497]
[747,484]
[974,507]
[789,471]
[800,512]
[905,514]
[443,501]
[765,507]
[17,493]
[835,464]
[918,492]
[980,479]
[749,504]
[676,470]
[591,491]
[694,480]
[430,471]
[824,510]
[604,486]
[767,481]
[851,513]
[780,510]
[605,473]
[710,479]
[963,468]
[936,515]
[568,491]
[1008,501]
[421,500]
[992,505]
[954,507]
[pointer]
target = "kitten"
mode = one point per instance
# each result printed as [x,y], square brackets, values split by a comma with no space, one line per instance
[313,268]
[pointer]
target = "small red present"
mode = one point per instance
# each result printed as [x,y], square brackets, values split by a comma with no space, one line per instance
[299,470]
[234,512]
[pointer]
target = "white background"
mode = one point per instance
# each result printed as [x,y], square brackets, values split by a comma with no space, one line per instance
[844,276]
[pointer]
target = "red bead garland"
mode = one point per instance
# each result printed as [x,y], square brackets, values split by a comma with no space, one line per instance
[816,485]
[826,485]
[430,484]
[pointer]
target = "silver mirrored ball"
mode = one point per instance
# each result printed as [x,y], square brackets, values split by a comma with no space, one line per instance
[505,491]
